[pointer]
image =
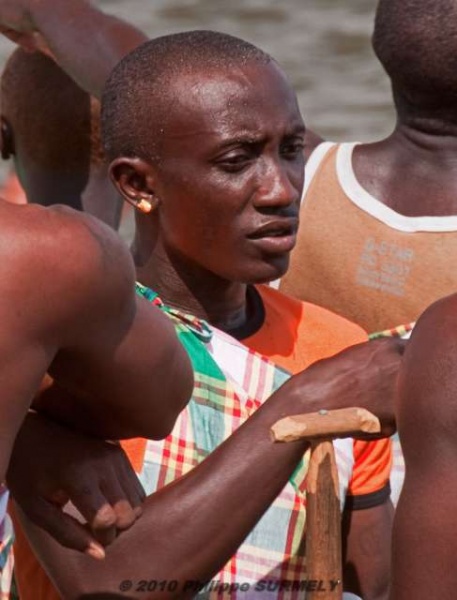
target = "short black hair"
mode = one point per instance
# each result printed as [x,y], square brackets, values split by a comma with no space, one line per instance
[57,123]
[416,42]
[138,88]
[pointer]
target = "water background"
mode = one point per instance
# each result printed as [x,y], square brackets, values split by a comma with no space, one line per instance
[324,46]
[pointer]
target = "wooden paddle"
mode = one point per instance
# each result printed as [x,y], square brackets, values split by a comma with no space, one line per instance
[323,518]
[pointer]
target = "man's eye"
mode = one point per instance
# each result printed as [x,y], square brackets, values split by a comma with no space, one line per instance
[292,150]
[234,162]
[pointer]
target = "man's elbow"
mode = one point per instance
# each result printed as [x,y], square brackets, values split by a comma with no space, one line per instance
[170,400]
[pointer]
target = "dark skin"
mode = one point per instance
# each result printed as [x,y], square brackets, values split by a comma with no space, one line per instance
[249,154]
[411,171]
[204,242]
[87,190]
[89,187]
[246,466]
[84,185]
[83,324]
[424,548]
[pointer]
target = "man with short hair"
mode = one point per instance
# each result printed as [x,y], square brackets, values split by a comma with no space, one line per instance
[216,178]
[379,220]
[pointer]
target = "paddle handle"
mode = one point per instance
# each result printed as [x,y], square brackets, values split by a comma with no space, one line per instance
[323,525]
[345,422]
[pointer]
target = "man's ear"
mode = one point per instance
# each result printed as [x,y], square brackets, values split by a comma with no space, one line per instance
[134,178]
[6,139]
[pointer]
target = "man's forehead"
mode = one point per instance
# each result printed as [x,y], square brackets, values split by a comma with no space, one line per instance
[226,93]
[236,76]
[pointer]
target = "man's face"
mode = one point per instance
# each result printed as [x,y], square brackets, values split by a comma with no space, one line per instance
[231,173]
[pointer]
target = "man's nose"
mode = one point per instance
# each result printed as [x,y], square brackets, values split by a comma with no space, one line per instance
[280,185]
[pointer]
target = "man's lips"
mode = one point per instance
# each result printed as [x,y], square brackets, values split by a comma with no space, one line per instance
[275,229]
[275,237]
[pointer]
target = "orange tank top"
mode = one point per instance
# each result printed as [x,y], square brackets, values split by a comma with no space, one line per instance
[358,257]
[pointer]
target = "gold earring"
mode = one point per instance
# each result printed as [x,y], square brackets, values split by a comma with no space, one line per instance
[144,206]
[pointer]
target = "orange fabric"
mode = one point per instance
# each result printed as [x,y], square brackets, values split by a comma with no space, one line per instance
[135,450]
[372,466]
[361,268]
[294,335]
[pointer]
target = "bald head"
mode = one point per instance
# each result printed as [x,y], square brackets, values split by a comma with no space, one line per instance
[416,42]
[55,123]
[139,93]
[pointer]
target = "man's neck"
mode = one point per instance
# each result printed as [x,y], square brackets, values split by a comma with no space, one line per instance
[413,171]
[430,143]
[190,288]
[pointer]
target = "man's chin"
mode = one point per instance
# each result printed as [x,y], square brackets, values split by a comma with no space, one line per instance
[269,271]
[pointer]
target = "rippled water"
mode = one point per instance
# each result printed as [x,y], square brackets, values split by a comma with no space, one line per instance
[324,45]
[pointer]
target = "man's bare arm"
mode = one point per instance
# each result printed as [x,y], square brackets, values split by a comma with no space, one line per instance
[367,540]
[68,303]
[94,475]
[118,356]
[425,528]
[85,42]
[184,533]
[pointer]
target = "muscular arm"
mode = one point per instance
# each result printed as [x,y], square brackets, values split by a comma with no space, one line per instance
[119,358]
[425,528]
[68,301]
[23,363]
[184,533]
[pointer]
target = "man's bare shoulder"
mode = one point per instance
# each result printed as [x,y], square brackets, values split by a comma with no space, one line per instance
[435,334]
[59,260]
[55,232]
[427,387]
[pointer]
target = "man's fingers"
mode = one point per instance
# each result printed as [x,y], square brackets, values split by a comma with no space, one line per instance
[96,509]
[132,487]
[123,501]
[64,528]
[104,524]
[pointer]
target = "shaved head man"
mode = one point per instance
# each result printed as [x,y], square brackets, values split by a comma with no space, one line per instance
[206,141]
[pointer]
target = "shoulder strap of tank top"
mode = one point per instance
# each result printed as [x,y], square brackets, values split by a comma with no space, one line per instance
[314,161]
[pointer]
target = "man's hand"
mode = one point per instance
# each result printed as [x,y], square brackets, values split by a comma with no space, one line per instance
[364,375]
[51,465]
